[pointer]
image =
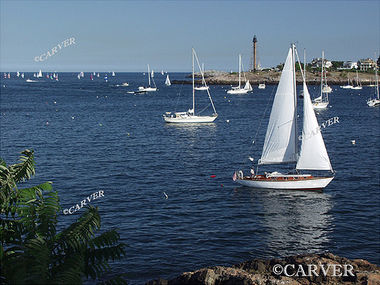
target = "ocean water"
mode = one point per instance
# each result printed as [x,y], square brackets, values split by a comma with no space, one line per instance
[92,135]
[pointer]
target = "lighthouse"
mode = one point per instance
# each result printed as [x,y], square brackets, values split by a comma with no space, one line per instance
[254,53]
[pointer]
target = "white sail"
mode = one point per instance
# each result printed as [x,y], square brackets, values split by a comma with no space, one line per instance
[248,86]
[313,155]
[167,81]
[280,139]
[39,74]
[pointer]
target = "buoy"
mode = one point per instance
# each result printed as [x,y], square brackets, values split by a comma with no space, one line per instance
[353,141]
[221,185]
[47,123]
[73,117]
[213,176]
[227,121]
[100,124]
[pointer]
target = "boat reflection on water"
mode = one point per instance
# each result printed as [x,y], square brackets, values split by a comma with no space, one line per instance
[292,222]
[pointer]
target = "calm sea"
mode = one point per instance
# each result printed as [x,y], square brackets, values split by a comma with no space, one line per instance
[92,135]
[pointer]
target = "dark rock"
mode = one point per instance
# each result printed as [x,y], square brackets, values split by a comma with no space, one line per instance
[259,271]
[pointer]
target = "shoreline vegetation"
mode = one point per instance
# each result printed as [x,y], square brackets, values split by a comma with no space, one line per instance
[272,77]
[325,268]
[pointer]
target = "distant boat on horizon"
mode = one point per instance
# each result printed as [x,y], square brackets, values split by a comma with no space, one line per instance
[238,89]
[322,101]
[149,88]
[167,81]
[375,102]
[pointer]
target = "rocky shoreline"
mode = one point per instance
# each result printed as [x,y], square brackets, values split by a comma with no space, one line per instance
[325,268]
[273,77]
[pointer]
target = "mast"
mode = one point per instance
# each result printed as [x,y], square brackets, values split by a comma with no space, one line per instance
[239,69]
[295,98]
[149,75]
[377,83]
[323,55]
[193,82]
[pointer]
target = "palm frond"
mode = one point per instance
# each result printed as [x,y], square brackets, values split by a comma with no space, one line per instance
[25,169]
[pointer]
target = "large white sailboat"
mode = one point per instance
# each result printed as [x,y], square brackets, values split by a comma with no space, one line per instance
[238,89]
[281,138]
[191,116]
[149,88]
[322,101]
[374,102]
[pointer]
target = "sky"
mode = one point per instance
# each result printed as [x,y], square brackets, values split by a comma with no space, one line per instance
[127,35]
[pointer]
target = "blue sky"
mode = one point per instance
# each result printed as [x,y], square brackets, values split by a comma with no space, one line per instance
[126,35]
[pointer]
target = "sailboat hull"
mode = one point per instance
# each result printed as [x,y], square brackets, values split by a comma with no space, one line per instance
[373,102]
[189,119]
[237,91]
[320,105]
[147,89]
[310,183]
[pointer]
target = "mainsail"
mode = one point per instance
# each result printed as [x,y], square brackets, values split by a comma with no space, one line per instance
[313,155]
[167,81]
[248,86]
[280,139]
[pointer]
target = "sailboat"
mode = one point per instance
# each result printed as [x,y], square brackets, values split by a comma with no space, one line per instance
[204,86]
[149,88]
[281,138]
[374,102]
[322,101]
[238,89]
[191,116]
[113,73]
[358,85]
[167,81]
[39,75]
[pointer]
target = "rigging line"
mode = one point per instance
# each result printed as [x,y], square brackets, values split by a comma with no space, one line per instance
[203,80]
[179,95]
[204,109]
[261,120]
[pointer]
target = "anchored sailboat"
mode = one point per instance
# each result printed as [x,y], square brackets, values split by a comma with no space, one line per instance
[323,100]
[374,102]
[191,116]
[149,88]
[358,84]
[281,145]
[238,89]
